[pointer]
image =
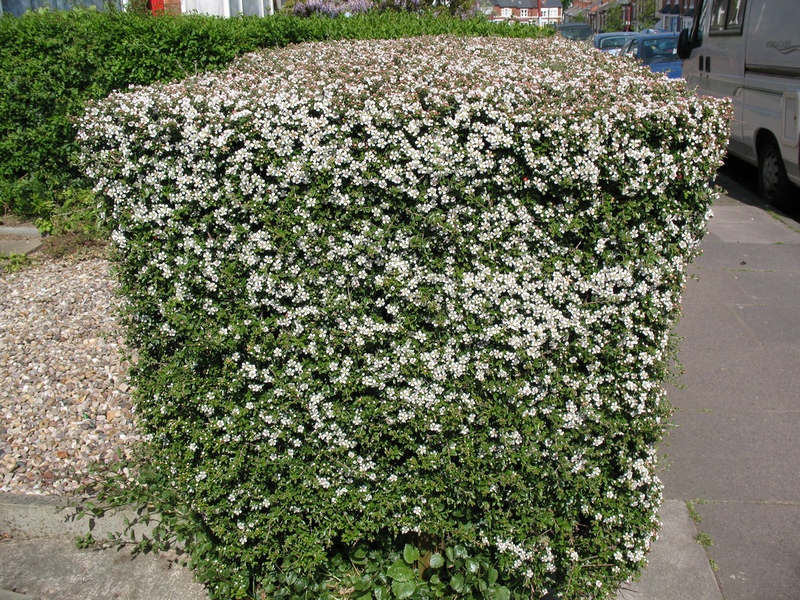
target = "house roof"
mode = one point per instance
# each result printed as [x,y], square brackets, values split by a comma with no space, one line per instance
[516,3]
[550,3]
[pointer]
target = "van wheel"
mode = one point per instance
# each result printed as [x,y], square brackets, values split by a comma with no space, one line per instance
[773,183]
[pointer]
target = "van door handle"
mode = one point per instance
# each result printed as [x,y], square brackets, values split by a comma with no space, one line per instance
[708,64]
[700,64]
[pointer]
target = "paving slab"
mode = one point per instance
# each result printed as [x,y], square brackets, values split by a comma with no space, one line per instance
[773,324]
[715,326]
[39,559]
[23,246]
[737,257]
[734,456]
[714,286]
[27,517]
[729,384]
[759,547]
[19,230]
[745,224]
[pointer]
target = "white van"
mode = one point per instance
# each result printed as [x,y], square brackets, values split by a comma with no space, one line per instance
[749,51]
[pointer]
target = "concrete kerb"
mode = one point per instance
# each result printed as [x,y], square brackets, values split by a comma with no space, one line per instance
[39,557]
[27,517]
[678,566]
[19,240]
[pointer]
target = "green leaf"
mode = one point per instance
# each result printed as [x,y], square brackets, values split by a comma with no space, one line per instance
[400,571]
[410,554]
[472,565]
[493,574]
[457,583]
[501,593]
[437,560]
[360,554]
[380,593]
[404,589]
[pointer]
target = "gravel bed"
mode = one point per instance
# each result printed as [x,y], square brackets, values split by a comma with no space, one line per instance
[64,396]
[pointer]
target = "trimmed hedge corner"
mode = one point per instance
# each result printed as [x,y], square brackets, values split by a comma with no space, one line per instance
[402,310]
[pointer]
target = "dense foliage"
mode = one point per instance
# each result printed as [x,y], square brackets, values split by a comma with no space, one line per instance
[402,310]
[52,63]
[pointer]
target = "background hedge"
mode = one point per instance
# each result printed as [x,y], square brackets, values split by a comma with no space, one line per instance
[52,63]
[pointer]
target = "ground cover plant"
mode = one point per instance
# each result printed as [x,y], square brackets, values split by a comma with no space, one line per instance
[402,311]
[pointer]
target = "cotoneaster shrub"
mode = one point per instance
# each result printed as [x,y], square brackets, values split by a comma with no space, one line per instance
[402,310]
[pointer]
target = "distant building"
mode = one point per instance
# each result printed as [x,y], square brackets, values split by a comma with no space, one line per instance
[528,12]
[672,15]
[675,15]
[521,11]
[551,12]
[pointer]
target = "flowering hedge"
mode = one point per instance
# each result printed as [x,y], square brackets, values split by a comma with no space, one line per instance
[402,309]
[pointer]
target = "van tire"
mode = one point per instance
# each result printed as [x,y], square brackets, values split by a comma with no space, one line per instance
[774,186]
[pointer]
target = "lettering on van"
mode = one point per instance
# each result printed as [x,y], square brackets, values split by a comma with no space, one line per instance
[783,46]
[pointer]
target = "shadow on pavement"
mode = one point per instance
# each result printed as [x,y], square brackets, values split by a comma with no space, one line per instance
[740,181]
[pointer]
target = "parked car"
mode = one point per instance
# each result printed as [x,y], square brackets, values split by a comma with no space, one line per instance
[659,51]
[575,31]
[612,42]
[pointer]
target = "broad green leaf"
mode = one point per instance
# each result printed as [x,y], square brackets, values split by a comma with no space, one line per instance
[457,583]
[404,589]
[437,560]
[400,571]
[502,593]
[410,554]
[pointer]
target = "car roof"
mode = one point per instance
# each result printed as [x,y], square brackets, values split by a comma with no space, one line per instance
[654,34]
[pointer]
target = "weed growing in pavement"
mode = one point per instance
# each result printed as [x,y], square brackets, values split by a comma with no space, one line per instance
[693,514]
[701,537]
[402,312]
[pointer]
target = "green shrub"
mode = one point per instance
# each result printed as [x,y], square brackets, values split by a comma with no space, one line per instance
[402,310]
[52,63]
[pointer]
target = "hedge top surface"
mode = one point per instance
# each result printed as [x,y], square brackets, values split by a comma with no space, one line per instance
[552,92]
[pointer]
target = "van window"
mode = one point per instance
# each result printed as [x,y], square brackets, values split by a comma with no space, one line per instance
[727,16]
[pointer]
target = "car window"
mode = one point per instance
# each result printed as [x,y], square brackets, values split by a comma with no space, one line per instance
[726,16]
[612,42]
[577,33]
[632,49]
[659,49]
